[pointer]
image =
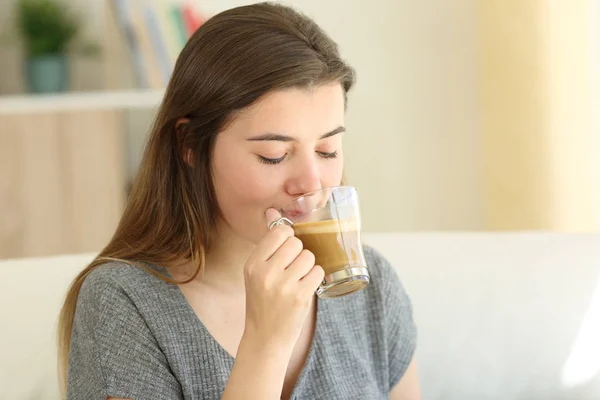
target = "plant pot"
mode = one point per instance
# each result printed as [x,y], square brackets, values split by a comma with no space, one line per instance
[47,73]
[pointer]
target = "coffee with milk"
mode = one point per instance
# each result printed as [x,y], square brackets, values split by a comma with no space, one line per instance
[335,243]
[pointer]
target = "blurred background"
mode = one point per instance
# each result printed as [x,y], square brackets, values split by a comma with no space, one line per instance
[467,116]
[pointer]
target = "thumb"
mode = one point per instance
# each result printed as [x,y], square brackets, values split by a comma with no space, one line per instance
[272,215]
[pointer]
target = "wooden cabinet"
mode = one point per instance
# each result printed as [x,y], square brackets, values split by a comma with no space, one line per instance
[62,171]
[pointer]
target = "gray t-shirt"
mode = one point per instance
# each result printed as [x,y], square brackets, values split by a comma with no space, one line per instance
[136,336]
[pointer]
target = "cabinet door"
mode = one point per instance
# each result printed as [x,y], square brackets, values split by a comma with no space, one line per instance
[62,181]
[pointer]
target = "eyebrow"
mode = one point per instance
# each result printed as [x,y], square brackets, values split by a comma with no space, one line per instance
[284,138]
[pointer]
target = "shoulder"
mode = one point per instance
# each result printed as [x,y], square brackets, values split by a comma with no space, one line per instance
[119,274]
[386,296]
[115,282]
[391,304]
[116,297]
[115,340]
[383,274]
[378,265]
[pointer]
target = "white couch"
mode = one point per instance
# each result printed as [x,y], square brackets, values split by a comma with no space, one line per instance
[512,316]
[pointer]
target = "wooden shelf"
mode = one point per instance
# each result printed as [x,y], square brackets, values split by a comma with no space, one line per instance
[78,101]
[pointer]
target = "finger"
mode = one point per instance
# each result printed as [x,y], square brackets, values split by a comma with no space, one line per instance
[287,253]
[273,239]
[313,278]
[272,215]
[301,266]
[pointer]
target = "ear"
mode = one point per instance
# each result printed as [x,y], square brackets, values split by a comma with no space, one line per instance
[181,130]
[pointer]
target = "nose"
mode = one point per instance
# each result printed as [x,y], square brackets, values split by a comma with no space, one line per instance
[306,179]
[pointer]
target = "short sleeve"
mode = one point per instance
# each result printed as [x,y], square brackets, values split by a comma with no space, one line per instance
[113,352]
[400,331]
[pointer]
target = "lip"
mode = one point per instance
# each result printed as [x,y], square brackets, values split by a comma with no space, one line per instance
[295,213]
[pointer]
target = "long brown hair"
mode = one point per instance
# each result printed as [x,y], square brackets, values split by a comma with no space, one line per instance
[233,59]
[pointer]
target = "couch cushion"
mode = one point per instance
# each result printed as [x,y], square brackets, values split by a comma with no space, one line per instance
[31,294]
[499,314]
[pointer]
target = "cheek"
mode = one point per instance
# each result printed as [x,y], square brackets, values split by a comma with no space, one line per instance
[333,172]
[242,187]
[240,181]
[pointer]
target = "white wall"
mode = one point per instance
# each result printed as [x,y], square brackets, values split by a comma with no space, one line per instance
[412,145]
[596,79]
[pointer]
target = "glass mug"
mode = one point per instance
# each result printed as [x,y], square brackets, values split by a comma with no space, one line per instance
[327,222]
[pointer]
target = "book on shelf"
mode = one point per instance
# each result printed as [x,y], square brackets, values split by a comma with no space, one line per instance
[154,33]
[192,17]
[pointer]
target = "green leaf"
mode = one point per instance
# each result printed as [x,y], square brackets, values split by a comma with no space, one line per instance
[45,26]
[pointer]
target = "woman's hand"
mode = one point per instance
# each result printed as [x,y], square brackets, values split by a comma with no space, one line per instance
[281,278]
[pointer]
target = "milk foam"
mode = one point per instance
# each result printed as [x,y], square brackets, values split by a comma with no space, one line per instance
[327,226]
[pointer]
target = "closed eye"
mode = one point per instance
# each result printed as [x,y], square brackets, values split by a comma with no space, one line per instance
[273,161]
[328,155]
[266,160]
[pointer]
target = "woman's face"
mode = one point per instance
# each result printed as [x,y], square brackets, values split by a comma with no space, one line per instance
[286,144]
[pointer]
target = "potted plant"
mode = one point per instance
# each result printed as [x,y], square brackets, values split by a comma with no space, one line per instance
[46,30]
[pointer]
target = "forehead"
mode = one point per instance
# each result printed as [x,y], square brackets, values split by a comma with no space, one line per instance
[294,111]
